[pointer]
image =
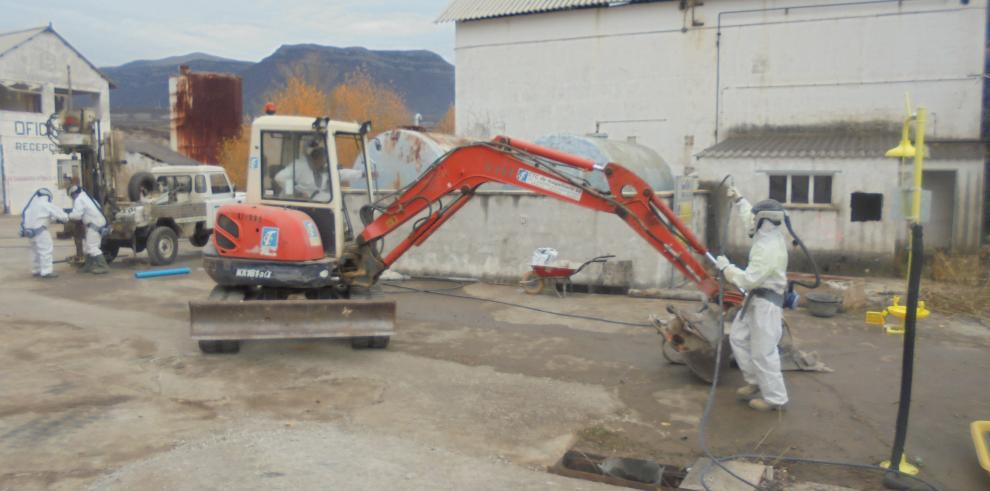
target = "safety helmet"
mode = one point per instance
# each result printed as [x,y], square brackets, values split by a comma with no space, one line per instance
[74,190]
[768,209]
[44,192]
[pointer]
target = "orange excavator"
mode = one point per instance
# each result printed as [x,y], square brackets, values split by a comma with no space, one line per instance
[288,263]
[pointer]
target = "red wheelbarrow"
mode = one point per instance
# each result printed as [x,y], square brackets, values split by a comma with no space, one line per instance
[533,282]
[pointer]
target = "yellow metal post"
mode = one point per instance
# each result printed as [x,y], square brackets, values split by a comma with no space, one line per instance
[919,161]
[919,165]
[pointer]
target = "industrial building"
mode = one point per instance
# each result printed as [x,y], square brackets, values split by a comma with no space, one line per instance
[38,67]
[782,95]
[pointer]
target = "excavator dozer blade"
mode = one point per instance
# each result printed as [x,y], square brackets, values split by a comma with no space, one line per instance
[290,319]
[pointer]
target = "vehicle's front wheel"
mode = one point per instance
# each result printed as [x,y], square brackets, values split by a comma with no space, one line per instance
[200,238]
[163,246]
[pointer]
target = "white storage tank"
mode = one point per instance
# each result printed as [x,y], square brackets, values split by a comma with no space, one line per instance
[641,160]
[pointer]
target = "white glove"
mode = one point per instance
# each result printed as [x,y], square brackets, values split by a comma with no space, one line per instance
[733,194]
[722,262]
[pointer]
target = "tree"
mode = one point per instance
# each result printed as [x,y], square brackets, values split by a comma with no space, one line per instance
[361,99]
[446,123]
[296,97]
[358,99]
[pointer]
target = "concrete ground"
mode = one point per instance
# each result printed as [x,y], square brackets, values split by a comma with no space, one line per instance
[103,389]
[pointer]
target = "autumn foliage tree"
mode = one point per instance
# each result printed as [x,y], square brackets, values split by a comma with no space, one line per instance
[360,98]
[446,123]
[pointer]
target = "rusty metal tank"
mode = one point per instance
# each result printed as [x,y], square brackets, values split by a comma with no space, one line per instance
[399,156]
[206,110]
[643,161]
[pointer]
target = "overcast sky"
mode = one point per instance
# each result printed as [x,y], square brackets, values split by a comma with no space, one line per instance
[112,32]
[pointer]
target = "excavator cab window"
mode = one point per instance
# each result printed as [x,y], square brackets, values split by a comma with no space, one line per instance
[295,167]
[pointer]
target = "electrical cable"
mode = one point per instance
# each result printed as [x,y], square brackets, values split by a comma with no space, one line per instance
[520,306]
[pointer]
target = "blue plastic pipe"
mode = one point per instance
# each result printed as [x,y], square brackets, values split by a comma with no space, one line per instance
[160,272]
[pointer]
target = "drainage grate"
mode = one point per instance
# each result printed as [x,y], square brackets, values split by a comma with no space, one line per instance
[619,471]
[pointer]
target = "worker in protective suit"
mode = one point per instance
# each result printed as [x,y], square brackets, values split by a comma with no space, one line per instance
[84,208]
[758,326]
[35,219]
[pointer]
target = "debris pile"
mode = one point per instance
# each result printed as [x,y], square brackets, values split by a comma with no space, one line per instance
[962,285]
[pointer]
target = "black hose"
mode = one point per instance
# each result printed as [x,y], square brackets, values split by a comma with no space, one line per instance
[891,479]
[814,265]
[711,398]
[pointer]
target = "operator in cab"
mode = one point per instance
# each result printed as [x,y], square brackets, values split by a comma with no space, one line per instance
[306,178]
[758,325]
[35,219]
[85,209]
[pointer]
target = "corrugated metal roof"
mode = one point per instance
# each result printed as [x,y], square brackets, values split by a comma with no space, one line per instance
[833,146]
[460,10]
[9,41]
[158,152]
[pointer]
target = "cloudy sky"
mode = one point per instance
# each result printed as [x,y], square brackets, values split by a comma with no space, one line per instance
[112,32]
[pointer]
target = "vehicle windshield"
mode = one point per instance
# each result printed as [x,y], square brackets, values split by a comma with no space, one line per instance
[294,167]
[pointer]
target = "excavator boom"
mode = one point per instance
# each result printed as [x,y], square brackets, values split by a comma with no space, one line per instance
[534,168]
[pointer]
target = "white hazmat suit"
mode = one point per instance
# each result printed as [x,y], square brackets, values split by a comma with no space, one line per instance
[85,209]
[757,328]
[38,215]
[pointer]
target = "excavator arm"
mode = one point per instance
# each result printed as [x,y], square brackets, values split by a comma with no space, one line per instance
[462,171]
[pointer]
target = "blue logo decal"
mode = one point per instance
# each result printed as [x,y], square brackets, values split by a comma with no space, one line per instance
[269,241]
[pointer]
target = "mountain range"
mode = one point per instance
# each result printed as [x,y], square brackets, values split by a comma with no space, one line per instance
[422,78]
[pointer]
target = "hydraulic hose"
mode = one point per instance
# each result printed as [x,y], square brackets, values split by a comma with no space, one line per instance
[814,265]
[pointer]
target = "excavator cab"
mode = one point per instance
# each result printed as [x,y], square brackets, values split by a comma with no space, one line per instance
[286,241]
[295,163]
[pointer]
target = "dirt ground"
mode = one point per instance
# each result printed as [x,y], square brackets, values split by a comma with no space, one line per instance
[103,389]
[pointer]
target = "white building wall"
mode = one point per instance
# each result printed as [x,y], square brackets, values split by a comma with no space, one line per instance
[531,75]
[828,229]
[822,227]
[29,161]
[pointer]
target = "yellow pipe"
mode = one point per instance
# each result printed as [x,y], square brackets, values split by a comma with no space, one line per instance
[919,160]
[919,164]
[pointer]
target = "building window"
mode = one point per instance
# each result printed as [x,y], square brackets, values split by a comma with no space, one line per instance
[801,189]
[25,101]
[866,207]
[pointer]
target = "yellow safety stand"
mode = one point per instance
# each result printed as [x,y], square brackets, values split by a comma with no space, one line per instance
[905,467]
[980,430]
[897,310]
[900,311]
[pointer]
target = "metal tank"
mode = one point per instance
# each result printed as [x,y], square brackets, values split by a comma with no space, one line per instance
[401,155]
[642,161]
[206,110]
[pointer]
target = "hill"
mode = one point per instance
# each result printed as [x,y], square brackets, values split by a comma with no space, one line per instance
[423,79]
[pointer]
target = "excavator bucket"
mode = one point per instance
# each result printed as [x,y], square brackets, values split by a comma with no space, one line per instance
[692,339]
[290,319]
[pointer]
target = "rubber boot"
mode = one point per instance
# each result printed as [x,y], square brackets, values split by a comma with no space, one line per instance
[100,265]
[748,392]
[764,406]
[87,266]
